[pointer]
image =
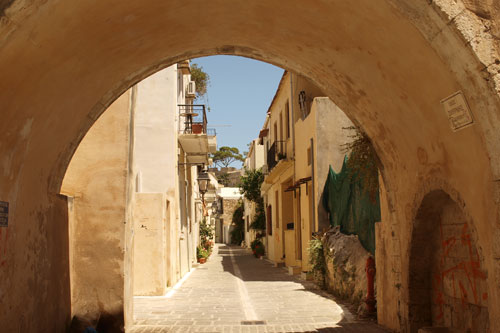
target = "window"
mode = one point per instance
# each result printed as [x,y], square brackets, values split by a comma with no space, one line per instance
[281,126]
[275,132]
[287,119]
[304,109]
[269,220]
[309,156]
[277,198]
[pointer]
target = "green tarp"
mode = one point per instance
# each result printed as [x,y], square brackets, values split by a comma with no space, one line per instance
[351,207]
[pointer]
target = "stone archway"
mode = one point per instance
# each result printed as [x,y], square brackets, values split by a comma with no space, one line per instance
[447,284]
[387,64]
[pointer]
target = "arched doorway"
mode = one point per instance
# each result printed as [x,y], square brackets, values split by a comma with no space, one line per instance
[447,284]
[386,64]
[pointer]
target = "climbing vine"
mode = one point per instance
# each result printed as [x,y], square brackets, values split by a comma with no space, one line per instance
[362,161]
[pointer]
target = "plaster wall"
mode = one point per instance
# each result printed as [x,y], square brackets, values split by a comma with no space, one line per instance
[290,259]
[185,214]
[305,131]
[331,135]
[155,132]
[156,171]
[324,125]
[288,215]
[270,201]
[255,161]
[277,119]
[274,194]
[249,214]
[387,64]
[150,255]
[96,180]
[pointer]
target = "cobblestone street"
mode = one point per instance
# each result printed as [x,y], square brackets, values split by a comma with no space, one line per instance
[234,292]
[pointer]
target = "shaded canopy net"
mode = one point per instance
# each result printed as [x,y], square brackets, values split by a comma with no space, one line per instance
[350,206]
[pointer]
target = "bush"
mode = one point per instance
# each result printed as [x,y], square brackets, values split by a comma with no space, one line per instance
[317,261]
[257,248]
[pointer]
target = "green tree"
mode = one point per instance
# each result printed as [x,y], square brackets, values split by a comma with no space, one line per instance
[201,79]
[251,183]
[238,232]
[226,155]
[250,188]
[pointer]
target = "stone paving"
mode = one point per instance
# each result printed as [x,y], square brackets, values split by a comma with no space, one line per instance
[235,292]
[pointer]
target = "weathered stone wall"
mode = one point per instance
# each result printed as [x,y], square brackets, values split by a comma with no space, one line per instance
[345,263]
[459,291]
[448,283]
[96,180]
[229,206]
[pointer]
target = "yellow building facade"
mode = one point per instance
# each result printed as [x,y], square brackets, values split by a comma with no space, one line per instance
[300,146]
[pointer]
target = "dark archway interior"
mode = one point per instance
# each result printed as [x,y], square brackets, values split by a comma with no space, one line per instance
[446,281]
[425,234]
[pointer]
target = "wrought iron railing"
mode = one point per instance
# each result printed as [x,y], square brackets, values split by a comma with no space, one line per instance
[192,119]
[271,157]
[276,153]
[281,150]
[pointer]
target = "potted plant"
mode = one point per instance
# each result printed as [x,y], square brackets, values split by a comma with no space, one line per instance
[202,254]
[197,128]
[257,248]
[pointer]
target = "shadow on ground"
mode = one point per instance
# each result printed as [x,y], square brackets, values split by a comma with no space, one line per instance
[253,269]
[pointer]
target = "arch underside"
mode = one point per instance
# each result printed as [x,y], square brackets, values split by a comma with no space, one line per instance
[387,64]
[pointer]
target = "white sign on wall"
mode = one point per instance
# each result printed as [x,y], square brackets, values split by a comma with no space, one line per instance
[458,111]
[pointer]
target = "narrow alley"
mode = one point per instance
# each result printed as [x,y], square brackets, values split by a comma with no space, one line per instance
[235,292]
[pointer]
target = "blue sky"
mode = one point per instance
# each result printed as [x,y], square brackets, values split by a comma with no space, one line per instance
[239,94]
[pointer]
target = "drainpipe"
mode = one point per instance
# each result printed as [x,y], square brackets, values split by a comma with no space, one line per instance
[370,276]
[293,150]
[293,123]
[313,182]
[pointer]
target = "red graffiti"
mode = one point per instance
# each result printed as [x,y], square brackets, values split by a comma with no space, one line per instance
[3,247]
[470,268]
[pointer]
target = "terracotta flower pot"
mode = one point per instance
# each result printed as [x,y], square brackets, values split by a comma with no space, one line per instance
[197,128]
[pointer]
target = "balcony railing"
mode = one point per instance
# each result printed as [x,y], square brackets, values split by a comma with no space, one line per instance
[276,153]
[192,119]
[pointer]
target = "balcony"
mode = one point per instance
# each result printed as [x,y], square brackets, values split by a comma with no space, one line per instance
[276,153]
[195,138]
[192,119]
[277,161]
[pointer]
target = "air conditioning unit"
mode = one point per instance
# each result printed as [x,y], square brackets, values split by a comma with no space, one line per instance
[191,89]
